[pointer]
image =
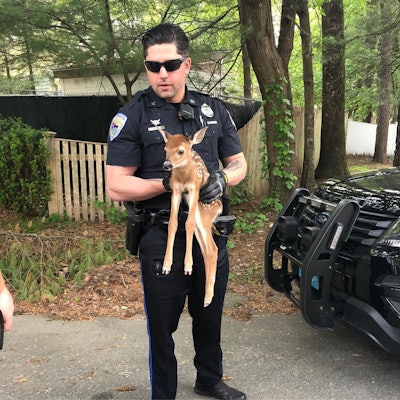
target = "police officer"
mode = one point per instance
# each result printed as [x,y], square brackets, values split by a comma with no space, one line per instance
[135,173]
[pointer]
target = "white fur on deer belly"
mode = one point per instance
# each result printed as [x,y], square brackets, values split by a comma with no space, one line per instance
[211,204]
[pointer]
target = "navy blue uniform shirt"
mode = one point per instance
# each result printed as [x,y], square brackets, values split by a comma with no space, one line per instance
[134,138]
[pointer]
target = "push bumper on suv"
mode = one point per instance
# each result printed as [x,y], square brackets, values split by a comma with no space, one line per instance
[301,261]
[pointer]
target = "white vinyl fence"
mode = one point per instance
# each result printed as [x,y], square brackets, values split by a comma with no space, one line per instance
[361,138]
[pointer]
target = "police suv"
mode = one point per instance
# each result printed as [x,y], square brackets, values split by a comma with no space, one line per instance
[336,254]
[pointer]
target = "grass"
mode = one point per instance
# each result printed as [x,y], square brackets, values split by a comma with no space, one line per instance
[359,164]
[359,169]
[38,256]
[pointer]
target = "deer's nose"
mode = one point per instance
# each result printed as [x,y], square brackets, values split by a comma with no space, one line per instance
[167,166]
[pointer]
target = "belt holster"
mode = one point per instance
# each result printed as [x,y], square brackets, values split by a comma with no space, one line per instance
[134,228]
[224,225]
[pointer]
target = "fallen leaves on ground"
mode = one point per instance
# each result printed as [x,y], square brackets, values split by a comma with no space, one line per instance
[116,291]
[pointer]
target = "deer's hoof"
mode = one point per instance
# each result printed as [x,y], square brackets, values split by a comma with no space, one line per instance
[166,271]
[188,272]
[207,302]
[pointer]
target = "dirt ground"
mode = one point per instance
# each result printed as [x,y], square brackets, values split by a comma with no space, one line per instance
[115,290]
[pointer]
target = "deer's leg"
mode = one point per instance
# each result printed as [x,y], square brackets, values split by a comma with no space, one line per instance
[210,256]
[192,201]
[209,250]
[172,227]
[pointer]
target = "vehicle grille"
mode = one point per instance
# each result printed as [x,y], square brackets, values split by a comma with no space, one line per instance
[368,227]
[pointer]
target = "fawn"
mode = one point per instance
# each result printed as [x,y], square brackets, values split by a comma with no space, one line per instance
[188,174]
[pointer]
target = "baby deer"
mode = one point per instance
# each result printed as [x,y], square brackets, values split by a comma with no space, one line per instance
[188,174]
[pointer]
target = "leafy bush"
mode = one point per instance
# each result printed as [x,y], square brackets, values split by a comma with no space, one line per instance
[24,178]
[250,222]
[241,192]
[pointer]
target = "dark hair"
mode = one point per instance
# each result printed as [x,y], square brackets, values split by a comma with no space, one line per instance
[166,33]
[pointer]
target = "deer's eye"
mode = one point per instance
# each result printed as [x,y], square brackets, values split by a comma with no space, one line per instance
[180,152]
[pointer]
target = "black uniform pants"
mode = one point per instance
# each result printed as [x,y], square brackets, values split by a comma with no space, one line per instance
[164,300]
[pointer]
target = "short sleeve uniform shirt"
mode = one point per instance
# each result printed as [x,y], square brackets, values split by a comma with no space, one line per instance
[134,138]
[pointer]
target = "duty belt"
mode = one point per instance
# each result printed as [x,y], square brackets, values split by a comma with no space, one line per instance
[141,219]
[161,217]
[223,225]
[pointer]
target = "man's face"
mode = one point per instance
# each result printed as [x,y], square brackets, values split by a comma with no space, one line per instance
[169,85]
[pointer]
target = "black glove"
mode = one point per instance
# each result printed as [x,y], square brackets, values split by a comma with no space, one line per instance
[214,187]
[165,182]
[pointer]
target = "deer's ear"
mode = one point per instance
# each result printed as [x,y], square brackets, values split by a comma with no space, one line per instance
[165,135]
[198,136]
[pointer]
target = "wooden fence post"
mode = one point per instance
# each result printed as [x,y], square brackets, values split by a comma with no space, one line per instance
[56,203]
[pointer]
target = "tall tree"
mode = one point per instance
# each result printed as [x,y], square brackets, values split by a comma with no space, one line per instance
[308,174]
[385,87]
[372,53]
[247,82]
[21,44]
[332,160]
[270,64]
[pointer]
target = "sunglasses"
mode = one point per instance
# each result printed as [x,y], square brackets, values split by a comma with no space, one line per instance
[171,65]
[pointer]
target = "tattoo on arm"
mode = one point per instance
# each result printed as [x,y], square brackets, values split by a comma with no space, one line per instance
[234,165]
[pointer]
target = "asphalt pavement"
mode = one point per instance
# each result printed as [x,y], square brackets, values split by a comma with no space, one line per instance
[268,357]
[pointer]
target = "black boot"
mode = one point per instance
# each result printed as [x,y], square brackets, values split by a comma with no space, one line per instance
[219,391]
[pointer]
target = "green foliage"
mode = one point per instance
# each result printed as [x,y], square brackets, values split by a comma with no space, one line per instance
[364,31]
[230,244]
[283,126]
[10,86]
[38,266]
[24,178]
[250,222]
[272,202]
[296,59]
[83,37]
[57,218]
[249,274]
[108,34]
[23,223]
[111,212]
[240,192]
[253,273]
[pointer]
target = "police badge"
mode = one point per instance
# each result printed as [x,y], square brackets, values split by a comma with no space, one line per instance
[207,110]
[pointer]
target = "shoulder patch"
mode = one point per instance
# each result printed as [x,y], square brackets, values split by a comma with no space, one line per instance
[117,123]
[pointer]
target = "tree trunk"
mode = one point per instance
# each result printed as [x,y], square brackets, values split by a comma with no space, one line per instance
[7,67]
[382,133]
[307,176]
[270,69]
[286,35]
[332,160]
[396,159]
[247,87]
[29,61]
[384,89]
